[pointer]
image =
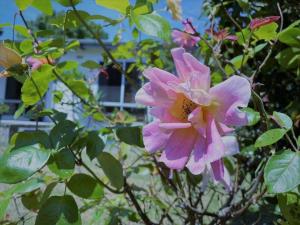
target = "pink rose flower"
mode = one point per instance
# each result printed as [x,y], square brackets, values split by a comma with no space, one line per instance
[221,35]
[185,39]
[258,22]
[193,120]
[36,63]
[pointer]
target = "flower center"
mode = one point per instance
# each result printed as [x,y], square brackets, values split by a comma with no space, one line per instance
[183,106]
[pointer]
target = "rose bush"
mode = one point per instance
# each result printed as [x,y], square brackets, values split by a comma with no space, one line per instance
[218,147]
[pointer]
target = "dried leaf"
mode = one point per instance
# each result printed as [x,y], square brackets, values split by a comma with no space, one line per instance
[8,57]
[175,8]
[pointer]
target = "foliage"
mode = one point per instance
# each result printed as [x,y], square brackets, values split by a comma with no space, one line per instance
[101,174]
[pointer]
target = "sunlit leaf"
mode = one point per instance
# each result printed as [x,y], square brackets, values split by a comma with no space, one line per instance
[44,6]
[120,6]
[153,25]
[281,173]
[23,4]
[283,120]
[269,137]
[22,163]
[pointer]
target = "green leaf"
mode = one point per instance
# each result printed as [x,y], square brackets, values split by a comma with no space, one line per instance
[289,58]
[67,3]
[289,204]
[61,210]
[266,32]
[237,63]
[44,6]
[94,144]
[22,31]
[153,25]
[85,186]
[80,88]
[269,137]
[27,186]
[26,46]
[283,120]
[252,116]
[67,65]
[4,203]
[62,163]
[143,7]
[131,135]
[23,4]
[41,80]
[91,64]
[281,173]
[30,138]
[120,6]
[290,36]
[112,169]
[62,134]
[32,200]
[22,163]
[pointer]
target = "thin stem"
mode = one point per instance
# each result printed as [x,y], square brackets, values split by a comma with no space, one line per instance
[99,41]
[233,21]
[143,216]
[272,46]
[80,162]
[197,34]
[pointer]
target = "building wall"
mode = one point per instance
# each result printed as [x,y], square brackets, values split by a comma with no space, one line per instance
[2,88]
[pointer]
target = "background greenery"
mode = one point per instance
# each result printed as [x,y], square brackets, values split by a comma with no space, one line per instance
[73,174]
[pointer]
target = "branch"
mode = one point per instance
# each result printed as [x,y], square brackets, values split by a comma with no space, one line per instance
[272,46]
[143,216]
[99,41]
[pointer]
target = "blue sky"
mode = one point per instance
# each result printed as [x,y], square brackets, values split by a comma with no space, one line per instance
[190,8]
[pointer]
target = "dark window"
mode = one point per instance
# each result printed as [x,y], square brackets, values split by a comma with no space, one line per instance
[13,89]
[133,82]
[110,84]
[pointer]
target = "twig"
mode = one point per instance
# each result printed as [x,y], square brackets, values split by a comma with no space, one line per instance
[99,41]
[143,216]
[197,34]
[272,46]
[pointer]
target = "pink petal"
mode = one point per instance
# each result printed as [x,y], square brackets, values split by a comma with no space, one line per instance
[218,170]
[178,148]
[160,76]
[181,67]
[201,80]
[152,94]
[226,180]
[171,126]
[163,114]
[214,144]
[208,148]
[197,120]
[197,162]
[187,65]
[154,138]
[223,129]
[231,145]
[233,93]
